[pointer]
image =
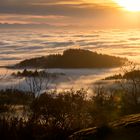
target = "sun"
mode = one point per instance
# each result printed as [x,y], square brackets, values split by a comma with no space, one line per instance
[130,5]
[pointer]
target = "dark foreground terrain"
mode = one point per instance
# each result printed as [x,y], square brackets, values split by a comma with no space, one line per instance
[126,128]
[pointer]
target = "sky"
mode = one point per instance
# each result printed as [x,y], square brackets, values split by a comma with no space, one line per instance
[67,13]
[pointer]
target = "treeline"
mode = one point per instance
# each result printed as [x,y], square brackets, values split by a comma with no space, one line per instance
[134,74]
[73,58]
[36,73]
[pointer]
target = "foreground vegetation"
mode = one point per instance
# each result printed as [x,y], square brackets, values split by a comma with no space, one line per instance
[73,58]
[57,115]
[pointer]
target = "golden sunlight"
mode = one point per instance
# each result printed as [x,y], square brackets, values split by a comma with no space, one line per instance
[130,5]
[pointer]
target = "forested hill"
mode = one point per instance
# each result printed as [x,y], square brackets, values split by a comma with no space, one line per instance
[73,58]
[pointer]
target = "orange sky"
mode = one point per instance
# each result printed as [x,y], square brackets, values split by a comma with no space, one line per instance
[70,13]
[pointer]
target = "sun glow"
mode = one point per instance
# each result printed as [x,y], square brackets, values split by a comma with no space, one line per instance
[130,5]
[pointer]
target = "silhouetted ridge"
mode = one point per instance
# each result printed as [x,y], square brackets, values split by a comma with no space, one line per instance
[134,74]
[73,58]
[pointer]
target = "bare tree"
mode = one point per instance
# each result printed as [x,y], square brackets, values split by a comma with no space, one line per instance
[39,83]
[130,85]
[4,75]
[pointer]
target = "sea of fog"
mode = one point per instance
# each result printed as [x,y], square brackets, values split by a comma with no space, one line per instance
[17,45]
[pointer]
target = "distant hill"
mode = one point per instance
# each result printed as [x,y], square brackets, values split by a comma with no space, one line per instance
[73,58]
[134,74]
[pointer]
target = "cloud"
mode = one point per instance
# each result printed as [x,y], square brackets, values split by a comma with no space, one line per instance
[52,7]
[57,9]
[62,12]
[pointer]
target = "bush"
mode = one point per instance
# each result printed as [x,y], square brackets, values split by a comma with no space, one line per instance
[62,113]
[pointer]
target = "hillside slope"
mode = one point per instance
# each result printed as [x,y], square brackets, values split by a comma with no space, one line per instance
[73,58]
[126,128]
